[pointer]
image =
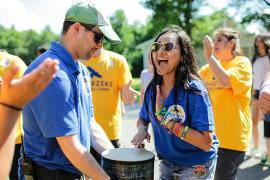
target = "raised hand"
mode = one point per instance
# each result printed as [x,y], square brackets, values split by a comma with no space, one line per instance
[129,95]
[208,47]
[159,102]
[18,92]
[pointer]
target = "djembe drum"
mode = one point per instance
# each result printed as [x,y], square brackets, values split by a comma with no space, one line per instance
[128,163]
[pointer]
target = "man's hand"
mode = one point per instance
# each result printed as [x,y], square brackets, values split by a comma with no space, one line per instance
[129,95]
[18,92]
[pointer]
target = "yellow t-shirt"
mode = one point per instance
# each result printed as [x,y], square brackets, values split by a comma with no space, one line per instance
[109,72]
[6,61]
[231,106]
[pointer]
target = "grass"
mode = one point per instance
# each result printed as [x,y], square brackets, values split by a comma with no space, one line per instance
[136,84]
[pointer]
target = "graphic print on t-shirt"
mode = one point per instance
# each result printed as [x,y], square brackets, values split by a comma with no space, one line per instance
[176,112]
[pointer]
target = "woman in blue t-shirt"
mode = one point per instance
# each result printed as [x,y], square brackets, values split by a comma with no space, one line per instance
[177,105]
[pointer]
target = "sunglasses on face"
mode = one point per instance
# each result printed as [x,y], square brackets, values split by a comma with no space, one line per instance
[98,37]
[168,46]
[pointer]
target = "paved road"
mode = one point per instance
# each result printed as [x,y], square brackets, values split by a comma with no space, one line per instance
[249,170]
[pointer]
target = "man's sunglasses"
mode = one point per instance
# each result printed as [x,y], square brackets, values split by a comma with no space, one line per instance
[168,46]
[98,38]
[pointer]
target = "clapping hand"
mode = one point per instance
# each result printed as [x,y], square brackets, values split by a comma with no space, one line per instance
[208,47]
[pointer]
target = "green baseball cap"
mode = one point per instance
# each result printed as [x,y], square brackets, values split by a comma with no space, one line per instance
[88,13]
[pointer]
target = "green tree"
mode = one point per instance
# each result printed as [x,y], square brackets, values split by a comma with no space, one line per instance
[24,44]
[252,11]
[205,25]
[166,12]
[129,36]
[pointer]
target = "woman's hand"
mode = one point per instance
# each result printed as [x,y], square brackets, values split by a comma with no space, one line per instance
[141,135]
[159,102]
[208,47]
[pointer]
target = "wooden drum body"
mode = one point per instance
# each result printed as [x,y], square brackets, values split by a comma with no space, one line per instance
[128,163]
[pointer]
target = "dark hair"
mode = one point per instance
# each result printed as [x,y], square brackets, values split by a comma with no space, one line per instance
[266,40]
[41,50]
[67,24]
[187,69]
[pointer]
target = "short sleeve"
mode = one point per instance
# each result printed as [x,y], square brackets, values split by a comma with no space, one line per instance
[22,66]
[202,71]
[200,110]
[145,108]
[124,72]
[240,76]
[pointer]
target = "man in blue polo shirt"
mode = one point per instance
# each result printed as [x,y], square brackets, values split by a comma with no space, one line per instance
[59,122]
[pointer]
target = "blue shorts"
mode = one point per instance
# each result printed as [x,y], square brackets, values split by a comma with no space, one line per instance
[170,171]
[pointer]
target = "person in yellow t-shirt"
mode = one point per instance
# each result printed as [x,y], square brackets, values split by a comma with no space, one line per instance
[111,81]
[228,77]
[6,62]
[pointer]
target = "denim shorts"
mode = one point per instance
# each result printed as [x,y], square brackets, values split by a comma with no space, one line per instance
[169,171]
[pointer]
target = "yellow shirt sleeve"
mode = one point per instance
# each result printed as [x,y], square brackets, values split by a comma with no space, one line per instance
[203,71]
[19,62]
[240,75]
[125,73]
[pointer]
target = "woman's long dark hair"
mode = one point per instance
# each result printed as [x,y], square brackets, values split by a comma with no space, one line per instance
[266,40]
[187,69]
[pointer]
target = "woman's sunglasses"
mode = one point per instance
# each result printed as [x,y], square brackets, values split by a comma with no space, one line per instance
[168,46]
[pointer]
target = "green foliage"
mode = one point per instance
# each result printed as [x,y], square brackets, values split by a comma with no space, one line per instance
[201,28]
[166,12]
[183,13]
[136,84]
[24,44]
[127,47]
[252,11]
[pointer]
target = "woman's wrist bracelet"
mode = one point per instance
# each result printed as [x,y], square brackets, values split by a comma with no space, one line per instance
[142,126]
[11,106]
[164,122]
[172,126]
[184,133]
[162,112]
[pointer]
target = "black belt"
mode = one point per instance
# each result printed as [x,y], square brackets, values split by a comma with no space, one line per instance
[43,173]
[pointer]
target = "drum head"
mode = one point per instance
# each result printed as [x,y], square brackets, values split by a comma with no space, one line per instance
[128,154]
